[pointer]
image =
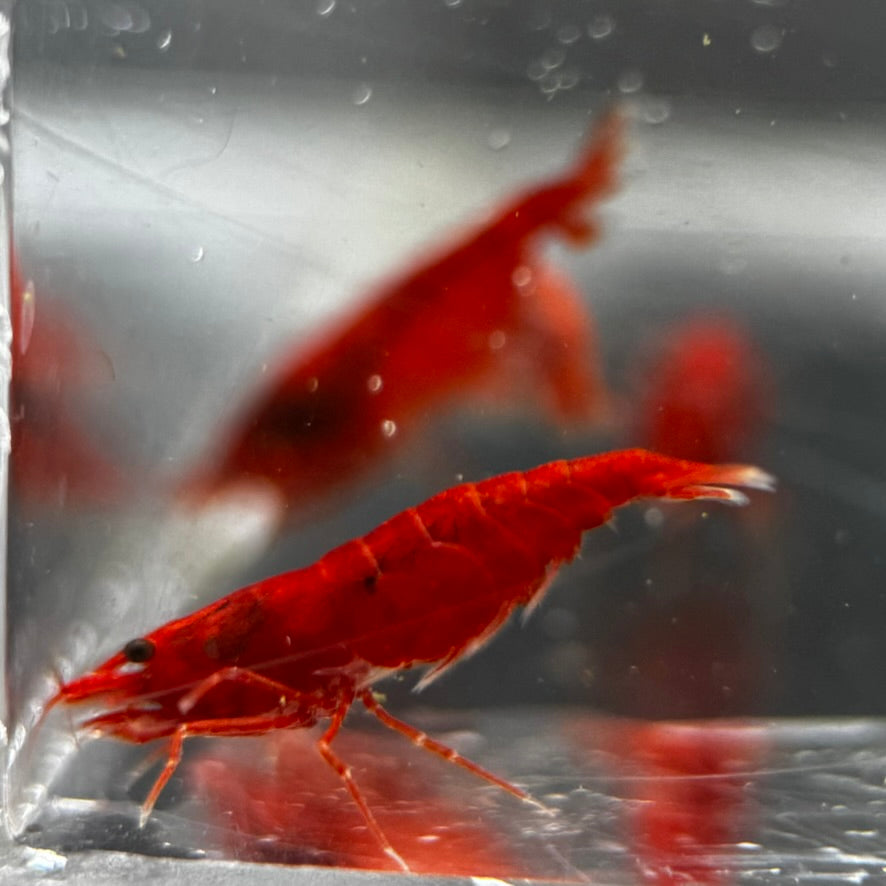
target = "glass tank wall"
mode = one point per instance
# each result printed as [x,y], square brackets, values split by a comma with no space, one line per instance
[283,270]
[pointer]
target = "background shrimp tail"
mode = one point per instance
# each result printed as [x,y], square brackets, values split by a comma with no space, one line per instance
[561,203]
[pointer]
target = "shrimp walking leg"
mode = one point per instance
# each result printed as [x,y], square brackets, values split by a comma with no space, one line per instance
[344,773]
[256,725]
[422,740]
[241,726]
[235,675]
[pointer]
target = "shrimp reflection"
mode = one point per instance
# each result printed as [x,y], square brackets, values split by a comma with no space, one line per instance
[55,458]
[276,804]
[698,643]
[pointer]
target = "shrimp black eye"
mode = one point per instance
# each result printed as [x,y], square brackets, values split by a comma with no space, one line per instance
[138,651]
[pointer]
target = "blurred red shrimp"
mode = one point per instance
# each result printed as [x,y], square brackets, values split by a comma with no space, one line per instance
[54,458]
[274,804]
[442,328]
[426,588]
[706,396]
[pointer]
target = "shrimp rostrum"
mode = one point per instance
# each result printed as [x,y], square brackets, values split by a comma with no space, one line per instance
[426,588]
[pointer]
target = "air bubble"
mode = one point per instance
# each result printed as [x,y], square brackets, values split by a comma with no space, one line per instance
[140,20]
[766,38]
[325,7]
[630,81]
[568,34]
[374,383]
[361,94]
[197,254]
[497,340]
[164,40]
[522,276]
[535,70]
[553,58]
[656,110]
[653,517]
[313,384]
[79,17]
[601,27]
[498,139]
[569,78]
[59,19]
[114,17]
[389,428]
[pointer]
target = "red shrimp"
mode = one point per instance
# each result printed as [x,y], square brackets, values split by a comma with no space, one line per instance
[707,395]
[426,588]
[54,457]
[451,324]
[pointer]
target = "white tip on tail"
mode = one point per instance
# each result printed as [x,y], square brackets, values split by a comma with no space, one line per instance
[713,493]
[716,484]
[746,476]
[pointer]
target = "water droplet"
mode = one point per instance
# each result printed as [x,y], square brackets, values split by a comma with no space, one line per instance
[79,16]
[164,40]
[569,78]
[656,110]
[429,838]
[601,27]
[553,58]
[550,83]
[361,94]
[538,19]
[653,517]
[140,20]
[374,384]
[522,276]
[535,70]
[197,254]
[630,81]
[389,428]
[829,60]
[213,90]
[115,17]
[766,38]
[452,4]
[499,138]
[313,384]
[568,34]
[325,7]
[497,340]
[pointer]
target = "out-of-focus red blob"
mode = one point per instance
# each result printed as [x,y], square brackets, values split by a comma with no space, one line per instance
[54,460]
[459,321]
[693,782]
[706,396]
[278,802]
